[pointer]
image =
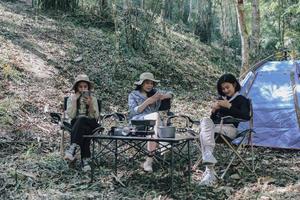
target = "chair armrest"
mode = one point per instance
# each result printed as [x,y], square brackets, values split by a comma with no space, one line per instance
[66,125]
[55,117]
[116,115]
[230,119]
[187,118]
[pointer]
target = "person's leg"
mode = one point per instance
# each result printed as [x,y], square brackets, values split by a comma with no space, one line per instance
[70,152]
[87,128]
[228,129]
[209,176]
[151,146]
[207,140]
[83,126]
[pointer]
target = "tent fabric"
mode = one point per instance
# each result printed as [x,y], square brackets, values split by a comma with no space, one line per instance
[274,89]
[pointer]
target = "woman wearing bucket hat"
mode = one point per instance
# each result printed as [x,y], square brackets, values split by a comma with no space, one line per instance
[144,103]
[82,108]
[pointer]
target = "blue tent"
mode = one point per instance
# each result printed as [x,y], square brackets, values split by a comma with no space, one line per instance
[274,88]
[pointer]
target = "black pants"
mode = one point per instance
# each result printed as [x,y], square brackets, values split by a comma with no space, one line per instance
[83,126]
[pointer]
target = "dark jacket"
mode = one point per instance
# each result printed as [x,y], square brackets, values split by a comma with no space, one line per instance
[240,108]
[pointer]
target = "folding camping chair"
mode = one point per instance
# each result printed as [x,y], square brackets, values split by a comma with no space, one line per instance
[65,125]
[238,144]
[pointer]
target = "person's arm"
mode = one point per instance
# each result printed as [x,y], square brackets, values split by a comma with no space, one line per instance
[242,111]
[72,106]
[93,107]
[151,100]
[134,106]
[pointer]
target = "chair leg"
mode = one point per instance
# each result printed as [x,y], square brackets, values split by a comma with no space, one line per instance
[62,143]
[198,162]
[237,154]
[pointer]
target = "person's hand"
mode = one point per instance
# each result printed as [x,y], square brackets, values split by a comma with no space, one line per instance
[165,96]
[224,103]
[154,98]
[88,100]
[215,106]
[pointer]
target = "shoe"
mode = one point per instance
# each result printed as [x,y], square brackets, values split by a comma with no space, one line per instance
[209,178]
[148,164]
[164,147]
[85,165]
[209,158]
[69,153]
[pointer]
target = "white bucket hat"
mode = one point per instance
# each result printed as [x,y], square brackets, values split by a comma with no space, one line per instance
[146,76]
[82,77]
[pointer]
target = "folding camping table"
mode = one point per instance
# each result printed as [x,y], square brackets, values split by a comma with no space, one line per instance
[118,145]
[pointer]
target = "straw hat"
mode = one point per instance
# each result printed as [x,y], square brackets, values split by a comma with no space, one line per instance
[82,77]
[146,76]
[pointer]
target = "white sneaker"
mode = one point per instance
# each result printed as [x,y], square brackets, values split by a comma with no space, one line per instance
[209,178]
[148,164]
[85,165]
[165,148]
[69,153]
[209,158]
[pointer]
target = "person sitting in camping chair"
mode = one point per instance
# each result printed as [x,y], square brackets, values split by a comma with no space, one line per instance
[82,108]
[230,103]
[144,103]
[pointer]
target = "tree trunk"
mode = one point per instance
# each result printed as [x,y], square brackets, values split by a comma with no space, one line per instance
[142,4]
[180,10]
[186,11]
[255,34]
[125,5]
[169,9]
[244,35]
[163,16]
[117,32]
[204,20]
[191,11]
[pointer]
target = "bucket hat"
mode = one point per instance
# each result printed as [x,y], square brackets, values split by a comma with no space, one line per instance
[146,76]
[82,77]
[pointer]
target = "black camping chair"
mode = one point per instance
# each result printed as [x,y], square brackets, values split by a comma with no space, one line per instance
[65,125]
[238,144]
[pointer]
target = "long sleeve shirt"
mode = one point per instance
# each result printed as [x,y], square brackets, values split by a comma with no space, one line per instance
[239,109]
[135,99]
[73,111]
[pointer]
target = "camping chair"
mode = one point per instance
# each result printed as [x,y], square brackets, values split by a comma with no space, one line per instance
[65,125]
[237,144]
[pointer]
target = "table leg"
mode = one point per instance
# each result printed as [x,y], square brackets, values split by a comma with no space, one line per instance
[189,163]
[93,160]
[116,157]
[172,166]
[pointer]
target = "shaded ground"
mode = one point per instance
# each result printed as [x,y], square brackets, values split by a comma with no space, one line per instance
[39,56]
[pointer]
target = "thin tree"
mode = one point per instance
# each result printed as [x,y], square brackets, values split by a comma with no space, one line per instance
[117,32]
[255,32]
[163,16]
[244,35]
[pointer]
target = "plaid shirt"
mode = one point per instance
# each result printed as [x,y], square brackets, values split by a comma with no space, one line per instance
[135,99]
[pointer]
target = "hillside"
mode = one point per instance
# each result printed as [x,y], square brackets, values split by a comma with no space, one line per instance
[40,54]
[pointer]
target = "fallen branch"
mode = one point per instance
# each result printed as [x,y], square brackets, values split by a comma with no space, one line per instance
[118,180]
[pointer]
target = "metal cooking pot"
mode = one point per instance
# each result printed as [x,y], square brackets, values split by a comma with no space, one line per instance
[166,131]
[119,131]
